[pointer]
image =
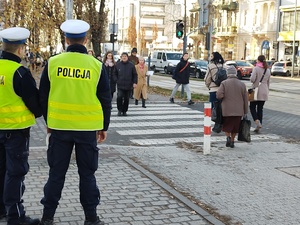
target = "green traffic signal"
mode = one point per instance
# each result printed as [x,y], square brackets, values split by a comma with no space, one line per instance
[179,29]
[179,34]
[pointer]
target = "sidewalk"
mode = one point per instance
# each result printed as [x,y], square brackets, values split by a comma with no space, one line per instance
[254,183]
[128,196]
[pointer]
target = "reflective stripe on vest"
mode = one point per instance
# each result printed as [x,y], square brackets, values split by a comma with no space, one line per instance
[13,112]
[73,103]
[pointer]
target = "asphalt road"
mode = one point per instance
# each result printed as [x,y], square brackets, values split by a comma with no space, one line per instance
[283,96]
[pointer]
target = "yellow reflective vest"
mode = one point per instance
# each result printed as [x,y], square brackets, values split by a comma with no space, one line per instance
[73,103]
[13,112]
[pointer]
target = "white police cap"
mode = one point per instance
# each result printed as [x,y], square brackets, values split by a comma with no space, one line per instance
[75,28]
[15,35]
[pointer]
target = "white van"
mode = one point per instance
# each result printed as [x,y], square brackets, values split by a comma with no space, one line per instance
[165,61]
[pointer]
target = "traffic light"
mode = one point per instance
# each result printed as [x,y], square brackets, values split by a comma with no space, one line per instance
[179,29]
[113,38]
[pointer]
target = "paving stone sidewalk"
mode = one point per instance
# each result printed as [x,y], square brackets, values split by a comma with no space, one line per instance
[128,196]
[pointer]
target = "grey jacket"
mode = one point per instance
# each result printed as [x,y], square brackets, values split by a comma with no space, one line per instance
[263,88]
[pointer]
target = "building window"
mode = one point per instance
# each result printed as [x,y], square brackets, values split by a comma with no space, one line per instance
[288,21]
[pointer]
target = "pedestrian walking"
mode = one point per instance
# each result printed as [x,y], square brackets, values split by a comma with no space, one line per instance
[234,96]
[76,102]
[182,77]
[260,79]
[109,63]
[126,78]
[140,92]
[216,62]
[135,60]
[19,105]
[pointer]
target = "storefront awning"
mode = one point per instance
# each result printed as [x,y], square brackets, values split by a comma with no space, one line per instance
[288,36]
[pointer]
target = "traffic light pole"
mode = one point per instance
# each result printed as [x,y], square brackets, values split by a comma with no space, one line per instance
[113,31]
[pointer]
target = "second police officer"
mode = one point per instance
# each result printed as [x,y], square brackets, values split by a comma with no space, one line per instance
[76,103]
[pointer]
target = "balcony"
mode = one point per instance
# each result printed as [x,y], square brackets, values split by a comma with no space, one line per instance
[232,6]
[226,31]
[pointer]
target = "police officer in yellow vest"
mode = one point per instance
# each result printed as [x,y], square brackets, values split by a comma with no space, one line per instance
[19,105]
[76,103]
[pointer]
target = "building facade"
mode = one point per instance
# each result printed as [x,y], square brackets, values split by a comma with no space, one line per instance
[244,29]
[155,23]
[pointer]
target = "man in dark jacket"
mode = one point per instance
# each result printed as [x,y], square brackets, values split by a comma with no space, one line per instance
[126,77]
[182,77]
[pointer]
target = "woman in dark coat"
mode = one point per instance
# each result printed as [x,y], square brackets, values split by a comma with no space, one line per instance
[182,77]
[109,63]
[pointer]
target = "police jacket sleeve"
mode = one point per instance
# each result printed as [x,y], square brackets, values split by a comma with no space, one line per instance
[44,91]
[104,96]
[25,87]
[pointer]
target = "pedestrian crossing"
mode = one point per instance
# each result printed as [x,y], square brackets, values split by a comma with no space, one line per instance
[162,123]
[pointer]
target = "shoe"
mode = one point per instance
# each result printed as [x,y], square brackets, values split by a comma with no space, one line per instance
[124,114]
[228,141]
[46,222]
[232,144]
[172,100]
[136,102]
[144,106]
[94,222]
[119,113]
[190,102]
[26,220]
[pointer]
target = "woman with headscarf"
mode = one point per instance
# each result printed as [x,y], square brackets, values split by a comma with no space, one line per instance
[234,96]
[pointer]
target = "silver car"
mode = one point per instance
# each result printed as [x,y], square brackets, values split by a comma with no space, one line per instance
[283,68]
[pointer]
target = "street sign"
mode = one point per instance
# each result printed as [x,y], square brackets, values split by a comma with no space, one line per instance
[113,28]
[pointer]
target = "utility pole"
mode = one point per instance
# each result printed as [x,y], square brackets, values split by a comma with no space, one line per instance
[184,33]
[114,27]
[294,37]
[69,9]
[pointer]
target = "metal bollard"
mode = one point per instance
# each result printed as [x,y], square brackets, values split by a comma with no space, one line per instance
[207,128]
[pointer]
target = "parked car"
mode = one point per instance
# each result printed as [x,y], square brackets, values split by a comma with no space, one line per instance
[244,69]
[147,62]
[165,61]
[283,68]
[198,68]
[116,57]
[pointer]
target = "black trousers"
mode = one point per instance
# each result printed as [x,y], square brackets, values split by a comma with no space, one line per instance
[256,109]
[59,152]
[123,100]
[14,152]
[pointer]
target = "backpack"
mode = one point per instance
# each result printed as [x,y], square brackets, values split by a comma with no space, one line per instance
[220,76]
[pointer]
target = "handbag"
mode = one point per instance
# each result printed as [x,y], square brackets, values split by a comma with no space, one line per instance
[216,114]
[244,131]
[253,92]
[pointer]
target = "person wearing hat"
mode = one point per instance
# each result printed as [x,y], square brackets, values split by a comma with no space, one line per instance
[125,76]
[76,102]
[135,60]
[234,96]
[19,106]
